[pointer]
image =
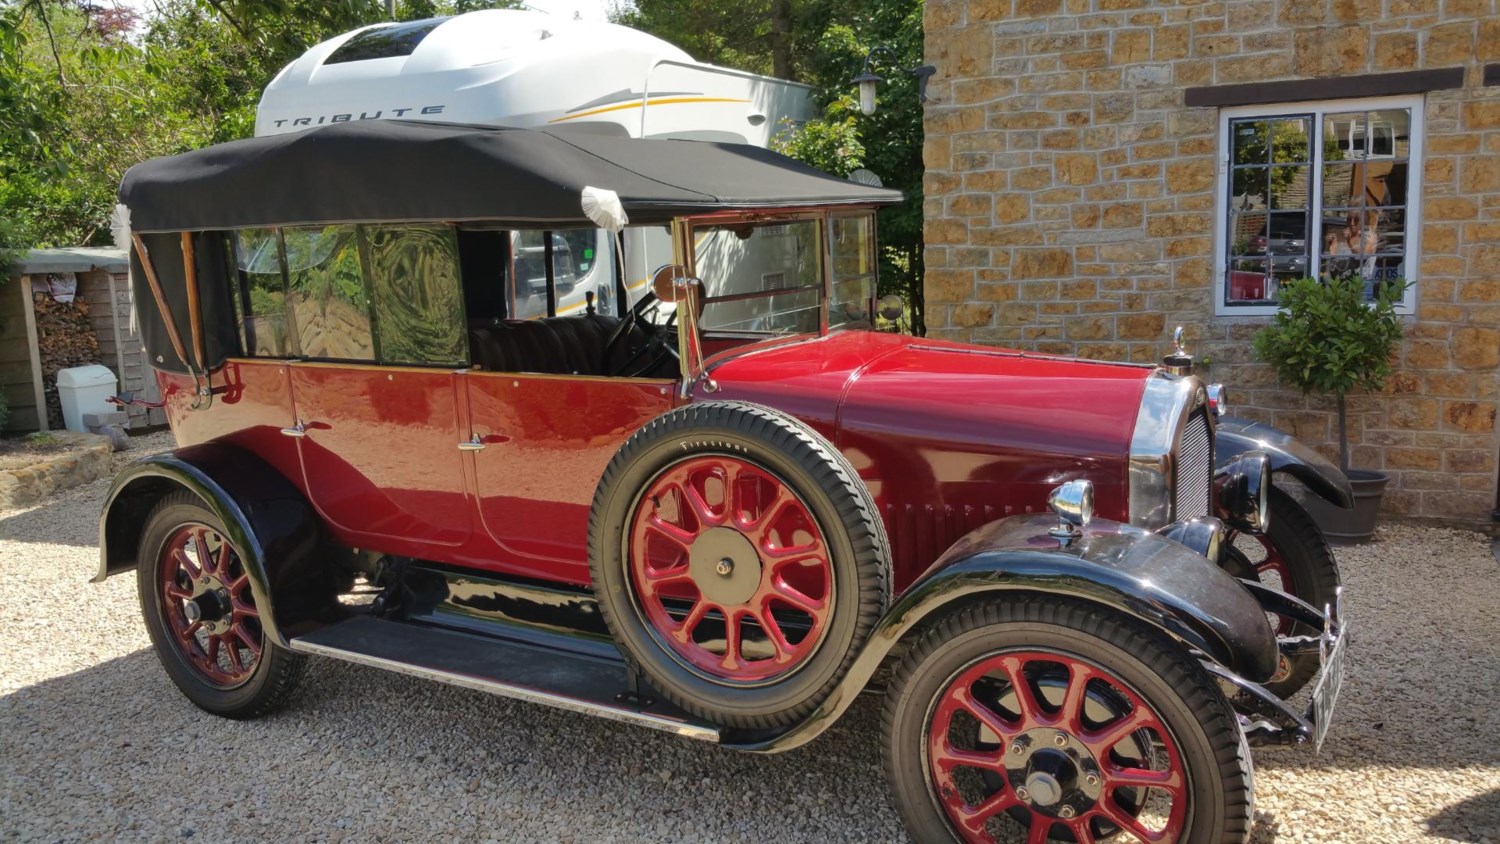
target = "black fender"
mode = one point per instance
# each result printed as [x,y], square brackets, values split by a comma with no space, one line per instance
[1236,436]
[268,520]
[1123,568]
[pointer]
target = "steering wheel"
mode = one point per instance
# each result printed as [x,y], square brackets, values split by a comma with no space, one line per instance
[649,355]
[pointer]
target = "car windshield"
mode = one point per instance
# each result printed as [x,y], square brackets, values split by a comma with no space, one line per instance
[760,277]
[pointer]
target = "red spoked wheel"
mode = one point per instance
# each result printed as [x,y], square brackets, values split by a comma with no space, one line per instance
[207,605]
[1036,719]
[1269,567]
[1061,745]
[739,561]
[200,609]
[731,569]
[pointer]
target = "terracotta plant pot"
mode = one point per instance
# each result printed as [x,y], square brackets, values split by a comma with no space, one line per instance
[1351,527]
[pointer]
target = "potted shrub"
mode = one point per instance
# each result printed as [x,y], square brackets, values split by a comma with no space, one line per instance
[1329,338]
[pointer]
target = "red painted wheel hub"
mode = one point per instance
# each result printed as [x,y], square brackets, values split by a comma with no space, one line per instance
[1259,554]
[207,605]
[730,569]
[1058,745]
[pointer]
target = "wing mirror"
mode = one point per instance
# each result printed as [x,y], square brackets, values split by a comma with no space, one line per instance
[672,283]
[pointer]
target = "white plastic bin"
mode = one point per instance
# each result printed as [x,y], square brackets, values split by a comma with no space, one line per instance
[84,389]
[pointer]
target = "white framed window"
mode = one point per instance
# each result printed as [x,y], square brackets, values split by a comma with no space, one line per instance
[1322,189]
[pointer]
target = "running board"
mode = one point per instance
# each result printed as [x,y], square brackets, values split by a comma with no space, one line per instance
[575,682]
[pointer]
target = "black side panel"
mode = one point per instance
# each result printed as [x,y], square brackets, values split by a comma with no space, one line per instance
[266,517]
[214,259]
[166,257]
[483,256]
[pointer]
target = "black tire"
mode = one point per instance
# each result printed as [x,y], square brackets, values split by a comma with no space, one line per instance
[275,672]
[1216,759]
[831,492]
[1307,570]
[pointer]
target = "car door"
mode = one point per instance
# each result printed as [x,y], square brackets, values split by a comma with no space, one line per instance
[546,440]
[380,455]
[377,316]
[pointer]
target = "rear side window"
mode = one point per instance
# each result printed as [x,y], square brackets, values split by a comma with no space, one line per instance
[326,287]
[265,330]
[373,294]
[419,309]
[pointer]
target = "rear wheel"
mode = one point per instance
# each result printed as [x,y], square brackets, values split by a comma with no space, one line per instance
[738,560]
[202,615]
[1294,557]
[1045,720]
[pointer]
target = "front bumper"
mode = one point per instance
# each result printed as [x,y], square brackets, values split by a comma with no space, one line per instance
[1266,718]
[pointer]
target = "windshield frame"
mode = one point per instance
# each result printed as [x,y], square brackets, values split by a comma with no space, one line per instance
[693,227]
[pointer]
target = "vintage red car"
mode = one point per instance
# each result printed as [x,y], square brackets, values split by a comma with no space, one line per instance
[722,512]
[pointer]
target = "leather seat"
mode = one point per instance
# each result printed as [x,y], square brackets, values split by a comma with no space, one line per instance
[571,345]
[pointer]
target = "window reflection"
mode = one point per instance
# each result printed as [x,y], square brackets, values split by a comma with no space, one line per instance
[326,287]
[418,298]
[263,294]
[1317,195]
[853,250]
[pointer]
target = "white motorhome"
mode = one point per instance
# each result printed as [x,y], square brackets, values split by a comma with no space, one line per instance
[530,69]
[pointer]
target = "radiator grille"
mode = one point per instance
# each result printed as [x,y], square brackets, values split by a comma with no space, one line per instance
[1195,464]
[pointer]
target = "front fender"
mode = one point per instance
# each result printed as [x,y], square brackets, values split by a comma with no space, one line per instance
[265,516]
[1236,436]
[1126,569]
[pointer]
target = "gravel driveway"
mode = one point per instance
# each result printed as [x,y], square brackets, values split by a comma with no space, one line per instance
[95,743]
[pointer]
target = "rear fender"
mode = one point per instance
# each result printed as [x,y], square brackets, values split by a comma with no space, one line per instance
[1126,569]
[264,514]
[1288,456]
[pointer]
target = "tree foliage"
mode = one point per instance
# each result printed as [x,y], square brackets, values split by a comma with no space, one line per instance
[824,45]
[1328,338]
[87,90]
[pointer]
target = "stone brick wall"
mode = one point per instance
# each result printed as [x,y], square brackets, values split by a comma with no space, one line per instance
[1070,199]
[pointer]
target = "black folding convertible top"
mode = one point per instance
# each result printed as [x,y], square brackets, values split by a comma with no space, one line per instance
[389,170]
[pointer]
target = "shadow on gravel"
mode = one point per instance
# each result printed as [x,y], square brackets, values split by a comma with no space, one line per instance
[116,748]
[116,751]
[45,524]
[1474,819]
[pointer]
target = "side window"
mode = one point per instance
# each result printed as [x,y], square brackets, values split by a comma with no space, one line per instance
[263,304]
[327,291]
[852,248]
[414,276]
[581,265]
[530,275]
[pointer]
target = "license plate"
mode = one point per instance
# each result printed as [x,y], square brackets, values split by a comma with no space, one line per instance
[1330,680]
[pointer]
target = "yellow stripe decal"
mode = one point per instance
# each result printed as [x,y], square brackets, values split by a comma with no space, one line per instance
[661,101]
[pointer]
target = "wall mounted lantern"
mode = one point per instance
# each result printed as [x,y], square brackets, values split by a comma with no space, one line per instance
[868,80]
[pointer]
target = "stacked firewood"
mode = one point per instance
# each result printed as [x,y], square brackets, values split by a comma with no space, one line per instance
[65,339]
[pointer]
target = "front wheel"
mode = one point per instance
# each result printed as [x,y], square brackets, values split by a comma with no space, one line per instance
[202,615]
[1294,557]
[1046,720]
